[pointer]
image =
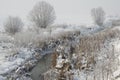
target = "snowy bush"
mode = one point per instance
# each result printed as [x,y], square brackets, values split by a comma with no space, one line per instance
[13,25]
[98,15]
[42,14]
[28,38]
[34,39]
[24,39]
[94,42]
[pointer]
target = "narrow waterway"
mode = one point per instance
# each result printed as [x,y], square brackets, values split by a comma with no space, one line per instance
[42,66]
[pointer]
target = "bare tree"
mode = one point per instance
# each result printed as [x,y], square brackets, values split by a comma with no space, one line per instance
[42,14]
[13,25]
[98,15]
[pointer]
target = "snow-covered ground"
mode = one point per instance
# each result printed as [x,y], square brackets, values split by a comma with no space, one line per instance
[10,59]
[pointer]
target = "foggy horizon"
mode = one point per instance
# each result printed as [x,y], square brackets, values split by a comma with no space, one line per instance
[70,12]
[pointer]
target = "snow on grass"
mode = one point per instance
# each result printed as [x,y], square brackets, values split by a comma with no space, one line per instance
[9,63]
[12,63]
[116,74]
[2,78]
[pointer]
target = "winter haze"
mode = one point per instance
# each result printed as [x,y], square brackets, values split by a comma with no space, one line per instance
[67,11]
[59,40]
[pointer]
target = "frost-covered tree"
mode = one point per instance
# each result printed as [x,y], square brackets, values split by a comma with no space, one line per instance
[13,25]
[98,16]
[42,14]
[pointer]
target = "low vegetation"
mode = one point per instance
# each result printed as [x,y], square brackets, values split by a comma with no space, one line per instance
[13,25]
[95,42]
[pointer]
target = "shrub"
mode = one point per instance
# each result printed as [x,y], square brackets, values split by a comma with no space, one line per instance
[13,25]
[42,15]
[94,42]
[22,39]
[98,15]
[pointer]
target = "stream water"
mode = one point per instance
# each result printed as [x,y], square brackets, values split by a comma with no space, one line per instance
[43,65]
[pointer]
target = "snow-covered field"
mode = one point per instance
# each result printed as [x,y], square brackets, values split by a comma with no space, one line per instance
[12,57]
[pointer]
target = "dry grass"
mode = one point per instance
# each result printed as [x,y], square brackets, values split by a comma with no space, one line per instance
[23,39]
[94,42]
[54,59]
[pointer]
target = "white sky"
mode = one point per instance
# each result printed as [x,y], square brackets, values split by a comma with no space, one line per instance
[67,11]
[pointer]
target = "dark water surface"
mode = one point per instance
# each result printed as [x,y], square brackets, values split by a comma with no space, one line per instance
[43,65]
